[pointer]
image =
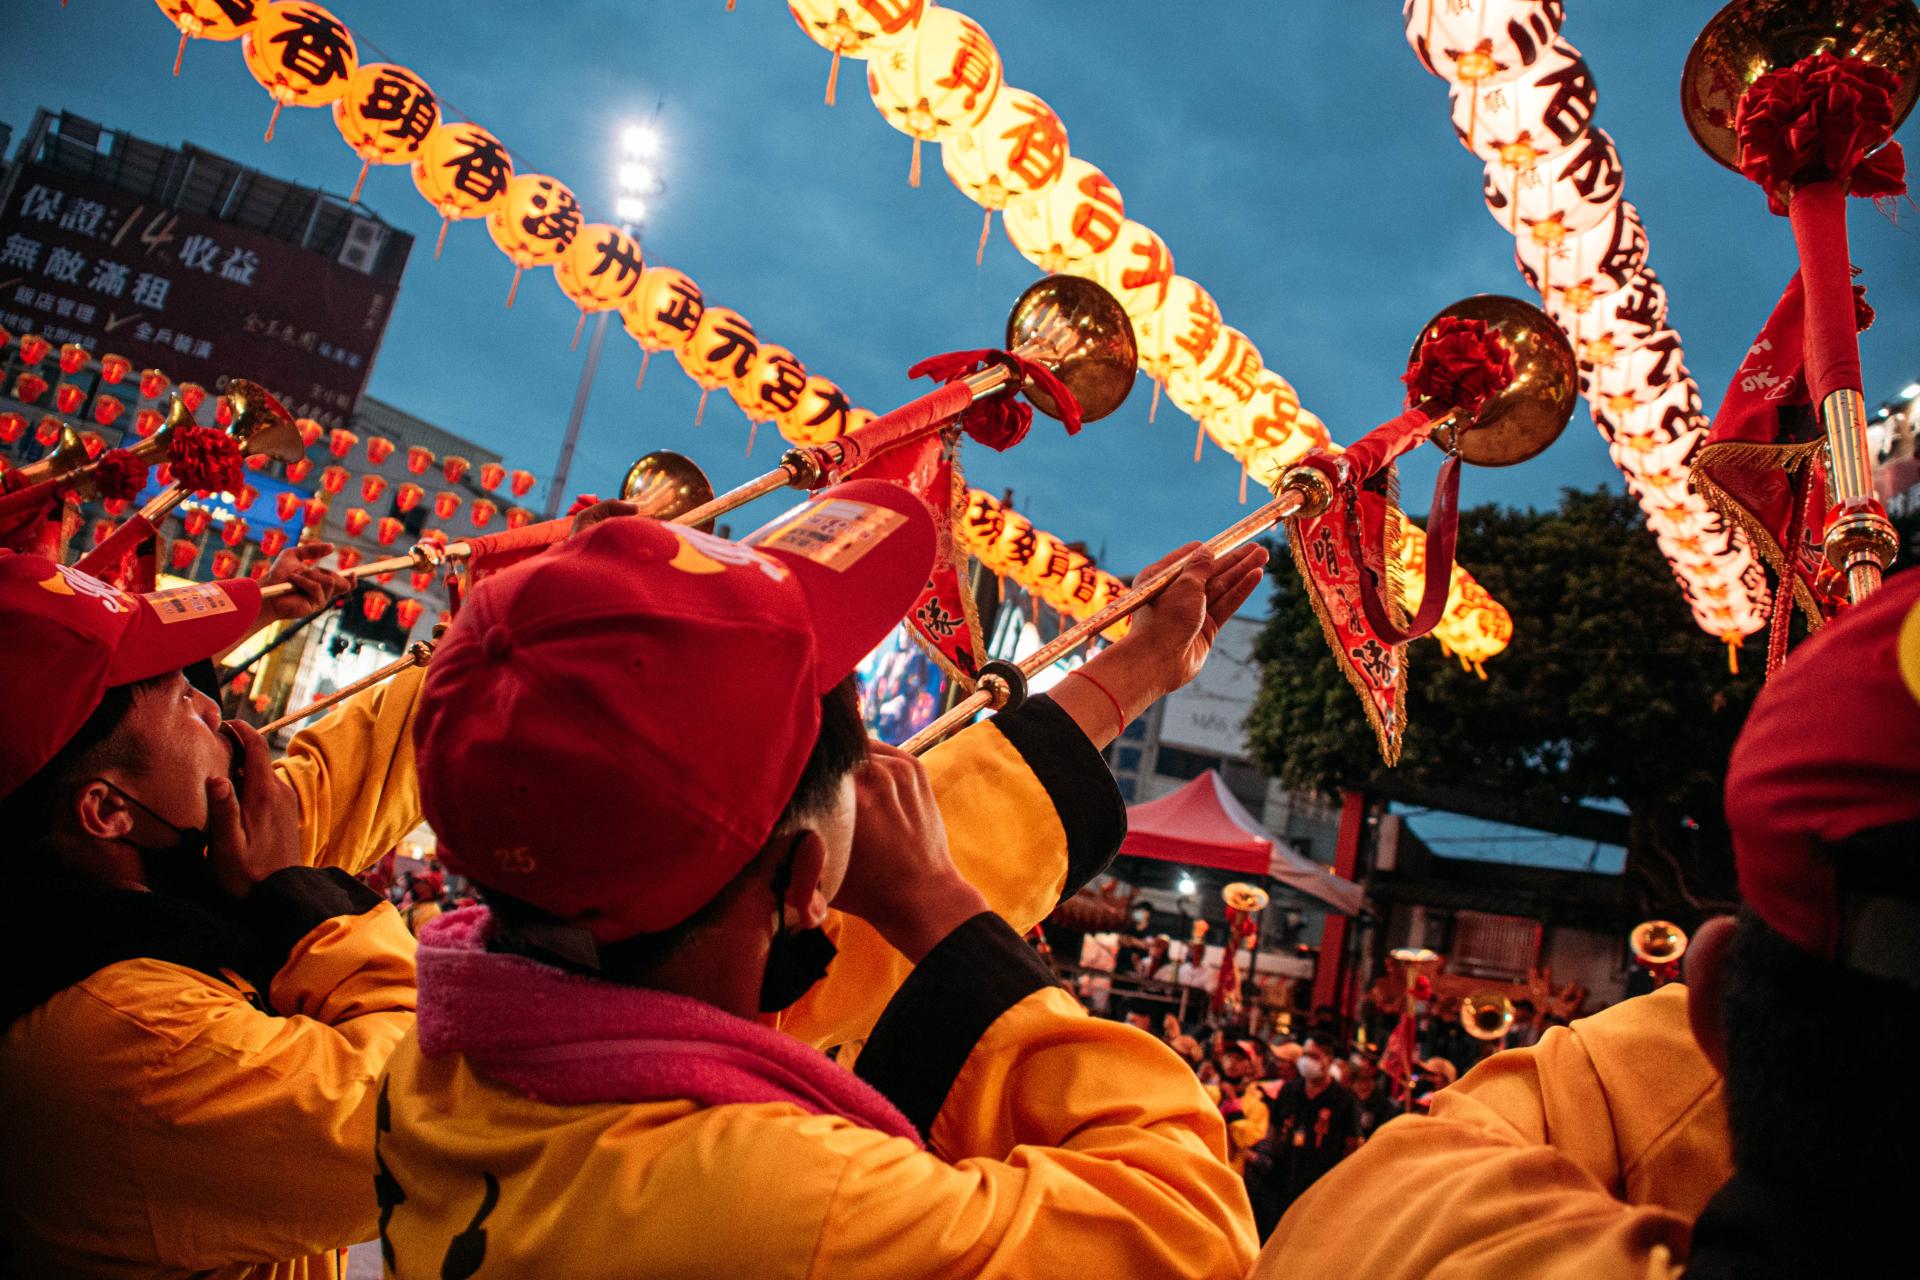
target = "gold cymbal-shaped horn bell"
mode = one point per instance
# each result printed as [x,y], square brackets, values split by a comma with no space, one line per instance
[1089,330]
[1242,896]
[1655,943]
[1749,38]
[1524,419]
[665,484]
[1486,1015]
[260,424]
[68,455]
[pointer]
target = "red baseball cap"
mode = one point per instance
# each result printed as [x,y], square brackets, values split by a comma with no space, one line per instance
[610,730]
[1828,760]
[68,637]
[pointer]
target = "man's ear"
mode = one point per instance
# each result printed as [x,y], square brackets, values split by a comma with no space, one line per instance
[806,901]
[102,812]
[1706,977]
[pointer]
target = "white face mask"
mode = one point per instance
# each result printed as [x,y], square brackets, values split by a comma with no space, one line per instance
[1311,1069]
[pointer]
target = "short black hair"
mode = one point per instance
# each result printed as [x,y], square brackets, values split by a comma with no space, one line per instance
[1841,1141]
[27,814]
[840,748]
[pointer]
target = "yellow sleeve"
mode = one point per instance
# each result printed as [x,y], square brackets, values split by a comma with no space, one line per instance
[1068,1146]
[1255,1118]
[1032,813]
[354,775]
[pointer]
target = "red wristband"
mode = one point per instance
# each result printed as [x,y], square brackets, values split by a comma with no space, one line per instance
[1118,714]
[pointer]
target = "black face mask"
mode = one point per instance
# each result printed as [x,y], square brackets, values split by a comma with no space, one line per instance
[179,868]
[797,959]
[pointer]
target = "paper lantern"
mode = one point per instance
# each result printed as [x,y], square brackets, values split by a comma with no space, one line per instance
[821,413]
[153,383]
[1014,550]
[47,431]
[1069,221]
[421,579]
[1556,198]
[521,482]
[407,497]
[419,458]
[1571,272]
[371,487]
[108,408]
[73,357]
[982,523]
[233,533]
[1219,387]
[463,171]
[519,517]
[34,349]
[445,503]
[374,604]
[662,313]
[1019,147]
[1635,377]
[29,387]
[299,469]
[1630,315]
[407,612]
[388,530]
[301,54]
[192,395]
[356,521]
[600,270]
[115,506]
[772,388]
[196,520]
[68,398]
[181,553]
[340,442]
[285,504]
[245,498]
[114,369]
[379,449]
[939,80]
[208,20]
[482,512]
[347,558]
[1481,42]
[94,443]
[1538,115]
[310,431]
[12,426]
[102,529]
[453,467]
[722,350]
[535,223]
[491,474]
[385,115]
[438,537]
[314,511]
[854,28]
[146,422]
[1136,269]
[1179,335]
[333,479]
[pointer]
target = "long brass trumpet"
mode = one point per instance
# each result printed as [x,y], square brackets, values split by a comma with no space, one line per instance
[1511,426]
[68,455]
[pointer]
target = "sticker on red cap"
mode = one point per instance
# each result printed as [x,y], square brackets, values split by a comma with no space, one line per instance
[185,604]
[68,581]
[835,534]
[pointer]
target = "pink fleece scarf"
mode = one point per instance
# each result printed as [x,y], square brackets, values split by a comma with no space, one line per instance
[566,1039]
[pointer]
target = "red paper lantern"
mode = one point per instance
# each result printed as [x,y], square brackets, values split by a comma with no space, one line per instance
[114,368]
[195,522]
[519,517]
[244,680]
[374,604]
[47,431]
[225,565]
[357,521]
[153,384]
[445,503]
[388,530]
[419,458]
[68,398]
[163,475]
[96,444]
[272,542]
[384,577]
[379,449]
[407,497]
[245,498]
[29,387]
[333,479]
[108,408]
[115,507]
[482,513]
[148,421]
[101,529]
[258,462]
[340,442]
[233,533]
[299,469]
[438,537]
[257,572]
[192,395]
[73,357]
[181,554]
[315,511]
[34,348]
[371,487]
[310,431]
[407,612]
[522,481]
[348,557]
[453,467]
[12,426]
[285,504]
[491,474]
[422,579]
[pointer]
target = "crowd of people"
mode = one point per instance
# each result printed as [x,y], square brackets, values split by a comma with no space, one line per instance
[743,992]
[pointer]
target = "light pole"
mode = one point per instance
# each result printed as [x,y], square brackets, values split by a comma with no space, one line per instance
[637,180]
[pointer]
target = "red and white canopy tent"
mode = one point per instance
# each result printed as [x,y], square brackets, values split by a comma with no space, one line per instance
[1202,825]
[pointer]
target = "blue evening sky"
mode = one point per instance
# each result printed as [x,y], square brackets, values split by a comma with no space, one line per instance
[1293,154]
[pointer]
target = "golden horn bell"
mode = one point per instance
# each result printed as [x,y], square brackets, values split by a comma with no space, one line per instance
[665,484]
[68,455]
[1657,943]
[1099,368]
[1486,1015]
[1245,897]
[1749,38]
[260,424]
[1529,415]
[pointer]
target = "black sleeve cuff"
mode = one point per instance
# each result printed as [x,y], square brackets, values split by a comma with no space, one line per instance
[930,1027]
[294,901]
[1078,782]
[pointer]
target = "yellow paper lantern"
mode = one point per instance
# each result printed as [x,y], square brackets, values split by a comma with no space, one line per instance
[1018,148]
[722,350]
[1069,221]
[662,313]
[600,270]
[857,29]
[301,54]
[535,223]
[982,523]
[1014,549]
[1219,387]
[771,389]
[1179,335]
[822,413]
[385,116]
[940,80]
[1136,269]
[463,171]
[209,20]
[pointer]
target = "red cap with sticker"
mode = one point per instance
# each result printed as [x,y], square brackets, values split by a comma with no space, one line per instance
[69,637]
[610,730]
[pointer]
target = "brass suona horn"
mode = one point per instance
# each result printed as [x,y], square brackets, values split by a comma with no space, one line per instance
[68,455]
[1486,1015]
[1510,427]
[256,422]
[1242,896]
[1657,943]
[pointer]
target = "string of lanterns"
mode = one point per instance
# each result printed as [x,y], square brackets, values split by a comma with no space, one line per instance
[1523,102]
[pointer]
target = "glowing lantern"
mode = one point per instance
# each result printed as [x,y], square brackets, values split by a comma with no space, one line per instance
[101,529]
[347,558]
[519,517]
[521,482]
[357,520]
[114,368]
[29,387]
[73,357]
[310,431]
[108,408]
[1013,551]
[1481,42]
[374,604]
[333,479]
[662,313]
[34,349]
[388,530]
[94,443]
[12,426]
[301,54]
[285,504]
[1540,114]
[438,537]
[1069,221]
[68,398]
[771,390]
[463,171]
[422,579]
[1630,315]
[1635,377]
[1179,335]
[196,520]
[1018,148]
[453,466]
[1219,387]
[314,511]
[535,223]
[1570,273]
[299,469]
[233,533]
[419,458]
[599,271]
[371,487]
[153,383]
[854,29]
[983,521]
[820,414]
[1553,200]
[407,612]
[445,503]
[1136,269]
[181,554]
[245,498]
[340,442]
[379,449]
[208,20]
[1270,421]
[938,81]
[48,430]
[385,116]
[146,422]
[722,350]
[491,474]
[192,395]
[482,512]
[407,497]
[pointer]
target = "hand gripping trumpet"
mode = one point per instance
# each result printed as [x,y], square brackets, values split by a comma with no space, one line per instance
[1492,426]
